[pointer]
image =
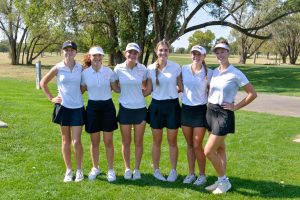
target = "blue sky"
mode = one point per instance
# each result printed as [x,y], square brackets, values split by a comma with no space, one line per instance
[201,17]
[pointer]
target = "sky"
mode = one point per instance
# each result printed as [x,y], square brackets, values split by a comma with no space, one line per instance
[201,17]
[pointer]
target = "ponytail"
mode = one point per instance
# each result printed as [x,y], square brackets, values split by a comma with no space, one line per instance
[86,61]
[205,68]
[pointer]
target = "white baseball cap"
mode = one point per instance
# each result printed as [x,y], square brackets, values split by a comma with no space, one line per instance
[133,46]
[199,48]
[221,45]
[96,50]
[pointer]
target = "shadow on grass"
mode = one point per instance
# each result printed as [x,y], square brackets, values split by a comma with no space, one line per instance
[245,187]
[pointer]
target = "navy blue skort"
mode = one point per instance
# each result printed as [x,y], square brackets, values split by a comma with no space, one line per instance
[128,116]
[193,116]
[67,116]
[100,116]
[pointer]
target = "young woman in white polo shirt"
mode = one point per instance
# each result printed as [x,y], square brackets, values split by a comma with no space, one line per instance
[131,76]
[196,78]
[98,79]
[224,85]
[69,109]
[164,76]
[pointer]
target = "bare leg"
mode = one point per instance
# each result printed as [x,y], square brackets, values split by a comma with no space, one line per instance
[156,147]
[126,141]
[66,145]
[173,148]
[109,147]
[188,134]
[94,149]
[198,148]
[139,130]
[211,151]
[76,140]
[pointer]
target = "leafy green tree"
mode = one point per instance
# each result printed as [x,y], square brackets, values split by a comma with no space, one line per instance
[204,39]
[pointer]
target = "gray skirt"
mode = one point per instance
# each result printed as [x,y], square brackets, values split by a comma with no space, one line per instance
[220,121]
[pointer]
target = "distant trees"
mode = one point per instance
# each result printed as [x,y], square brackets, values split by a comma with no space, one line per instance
[31,26]
[204,39]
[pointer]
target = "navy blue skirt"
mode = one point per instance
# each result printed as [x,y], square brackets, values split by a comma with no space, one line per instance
[164,113]
[67,116]
[100,116]
[220,121]
[193,116]
[128,116]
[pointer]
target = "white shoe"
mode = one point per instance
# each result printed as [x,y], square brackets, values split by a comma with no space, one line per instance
[158,175]
[136,174]
[212,187]
[93,173]
[79,175]
[172,176]
[222,187]
[189,178]
[127,174]
[68,176]
[201,180]
[111,175]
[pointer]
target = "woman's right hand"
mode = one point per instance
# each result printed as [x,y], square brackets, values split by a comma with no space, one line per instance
[56,100]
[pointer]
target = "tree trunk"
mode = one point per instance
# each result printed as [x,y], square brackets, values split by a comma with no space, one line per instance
[243,58]
[283,59]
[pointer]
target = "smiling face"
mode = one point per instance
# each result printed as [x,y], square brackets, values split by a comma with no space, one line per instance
[69,53]
[222,55]
[131,56]
[197,57]
[162,52]
[96,59]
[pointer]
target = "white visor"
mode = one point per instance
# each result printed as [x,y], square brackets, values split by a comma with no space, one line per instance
[96,50]
[221,45]
[199,49]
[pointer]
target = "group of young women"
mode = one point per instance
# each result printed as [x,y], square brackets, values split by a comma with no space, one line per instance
[207,103]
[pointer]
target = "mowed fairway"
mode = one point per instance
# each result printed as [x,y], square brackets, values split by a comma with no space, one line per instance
[263,160]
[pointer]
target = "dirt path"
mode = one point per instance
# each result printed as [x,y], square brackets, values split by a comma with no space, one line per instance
[273,104]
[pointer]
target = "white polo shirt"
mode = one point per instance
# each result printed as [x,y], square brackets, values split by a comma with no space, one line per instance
[98,82]
[195,85]
[167,88]
[68,83]
[224,85]
[131,85]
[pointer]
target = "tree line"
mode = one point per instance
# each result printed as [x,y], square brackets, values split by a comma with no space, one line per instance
[32,26]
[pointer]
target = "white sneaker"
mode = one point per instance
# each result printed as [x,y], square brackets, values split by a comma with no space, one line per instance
[222,187]
[172,176]
[93,173]
[136,174]
[158,175]
[111,175]
[79,175]
[189,178]
[212,187]
[201,180]
[127,174]
[68,176]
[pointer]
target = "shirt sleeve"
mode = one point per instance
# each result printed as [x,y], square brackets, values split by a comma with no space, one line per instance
[112,76]
[178,70]
[209,75]
[241,79]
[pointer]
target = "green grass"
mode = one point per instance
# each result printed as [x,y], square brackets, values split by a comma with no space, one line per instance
[263,162]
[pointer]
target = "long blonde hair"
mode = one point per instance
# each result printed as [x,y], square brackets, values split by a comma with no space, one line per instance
[162,42]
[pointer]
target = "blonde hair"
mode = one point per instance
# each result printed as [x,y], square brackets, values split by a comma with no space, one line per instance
[162,42]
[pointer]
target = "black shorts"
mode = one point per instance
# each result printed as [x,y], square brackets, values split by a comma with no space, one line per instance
[164,113]
[220,121]
[67,116]
[131,116]
[193,116]
[100,116]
